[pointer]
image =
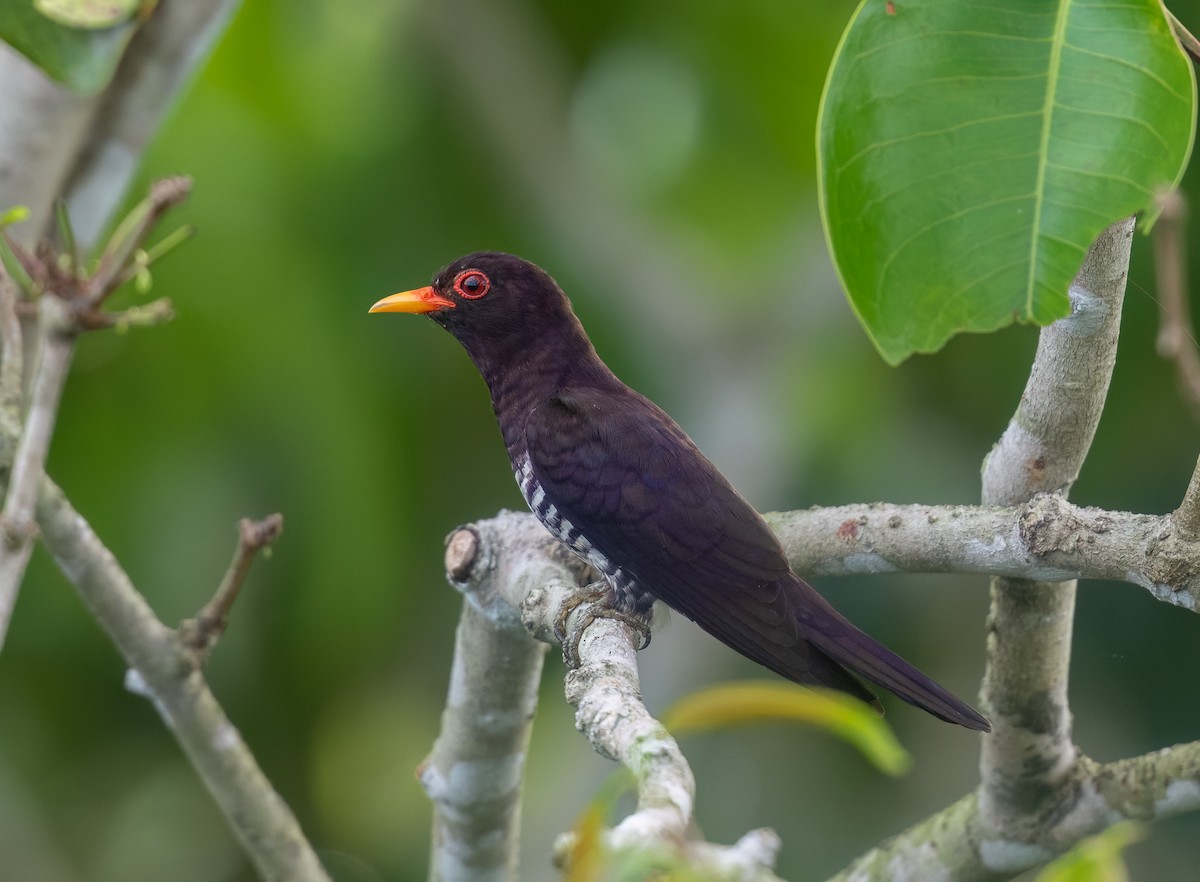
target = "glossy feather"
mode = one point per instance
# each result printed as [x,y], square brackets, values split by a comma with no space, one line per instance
[627,476]
[610,474]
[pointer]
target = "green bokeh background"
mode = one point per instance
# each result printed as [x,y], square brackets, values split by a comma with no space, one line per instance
[656,158]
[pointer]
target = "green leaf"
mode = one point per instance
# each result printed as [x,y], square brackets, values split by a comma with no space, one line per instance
[756,701]
[66,235]
[971,150]
[1095,859]
[81,59]
[13,266]
[588,859]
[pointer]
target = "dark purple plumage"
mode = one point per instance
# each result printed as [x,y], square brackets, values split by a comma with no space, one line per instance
[616,479]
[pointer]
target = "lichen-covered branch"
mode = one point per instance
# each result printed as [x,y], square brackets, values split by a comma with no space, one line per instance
[956,843]
[516,576]
[1029,762]
[476,769]
[1045,539]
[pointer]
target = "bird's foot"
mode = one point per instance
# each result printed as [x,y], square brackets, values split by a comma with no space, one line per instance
[598,599]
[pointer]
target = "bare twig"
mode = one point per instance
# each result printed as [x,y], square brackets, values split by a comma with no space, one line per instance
[1030,762]
[201,633]
[163,669]
[131,234]
[70,304]
[1176,341]
[11,359]
[1186,38]
[56,345]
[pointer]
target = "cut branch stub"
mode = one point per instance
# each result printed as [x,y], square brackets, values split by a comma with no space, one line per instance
[462,549]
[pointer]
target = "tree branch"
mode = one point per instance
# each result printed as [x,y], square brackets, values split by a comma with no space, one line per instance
[1044,539]
[476,769]
[11,358]
[1029,762]
[161,57]
[163,669]
[48,136]
[201,633]
[957,843]
[515,575]
[68,302]
[1187,516]
[56,345]
[1175,341]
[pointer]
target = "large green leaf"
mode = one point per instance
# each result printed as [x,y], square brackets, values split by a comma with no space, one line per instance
[971,150]
[82,58]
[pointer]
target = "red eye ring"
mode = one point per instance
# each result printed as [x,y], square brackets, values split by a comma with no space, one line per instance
[471,284]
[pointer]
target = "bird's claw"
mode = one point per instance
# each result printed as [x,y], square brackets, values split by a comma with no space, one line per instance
[598,596]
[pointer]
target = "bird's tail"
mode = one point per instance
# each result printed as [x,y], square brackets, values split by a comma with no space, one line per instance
[838,638]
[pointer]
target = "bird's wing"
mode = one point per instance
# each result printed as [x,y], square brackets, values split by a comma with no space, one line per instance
[629,479]
[624,474]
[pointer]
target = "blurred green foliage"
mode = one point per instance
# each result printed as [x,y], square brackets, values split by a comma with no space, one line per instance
[339,156]
[1095,859]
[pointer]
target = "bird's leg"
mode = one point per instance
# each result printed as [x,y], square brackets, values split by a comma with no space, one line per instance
[600,602]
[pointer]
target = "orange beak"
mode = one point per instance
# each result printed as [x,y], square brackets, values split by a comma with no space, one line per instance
[418,301]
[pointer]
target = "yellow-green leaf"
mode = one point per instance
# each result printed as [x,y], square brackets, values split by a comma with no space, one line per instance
[756,701]
[1095,859]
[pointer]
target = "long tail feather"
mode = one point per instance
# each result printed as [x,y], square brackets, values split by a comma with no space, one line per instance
[837,637]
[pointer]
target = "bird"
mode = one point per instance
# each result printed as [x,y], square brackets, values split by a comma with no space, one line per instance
[616,480]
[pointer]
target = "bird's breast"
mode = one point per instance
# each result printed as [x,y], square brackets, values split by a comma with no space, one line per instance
[568,533]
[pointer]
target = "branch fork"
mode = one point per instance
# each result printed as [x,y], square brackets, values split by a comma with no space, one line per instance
[68,302]
[520,586]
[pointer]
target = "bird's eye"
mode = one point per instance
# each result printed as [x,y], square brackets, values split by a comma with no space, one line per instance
[471,284]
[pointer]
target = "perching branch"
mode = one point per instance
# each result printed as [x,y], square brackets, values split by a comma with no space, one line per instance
[519,581]
[1039,794]
[1046,539]
[511,571]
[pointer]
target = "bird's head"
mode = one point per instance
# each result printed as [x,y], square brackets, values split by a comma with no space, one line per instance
[495,304]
